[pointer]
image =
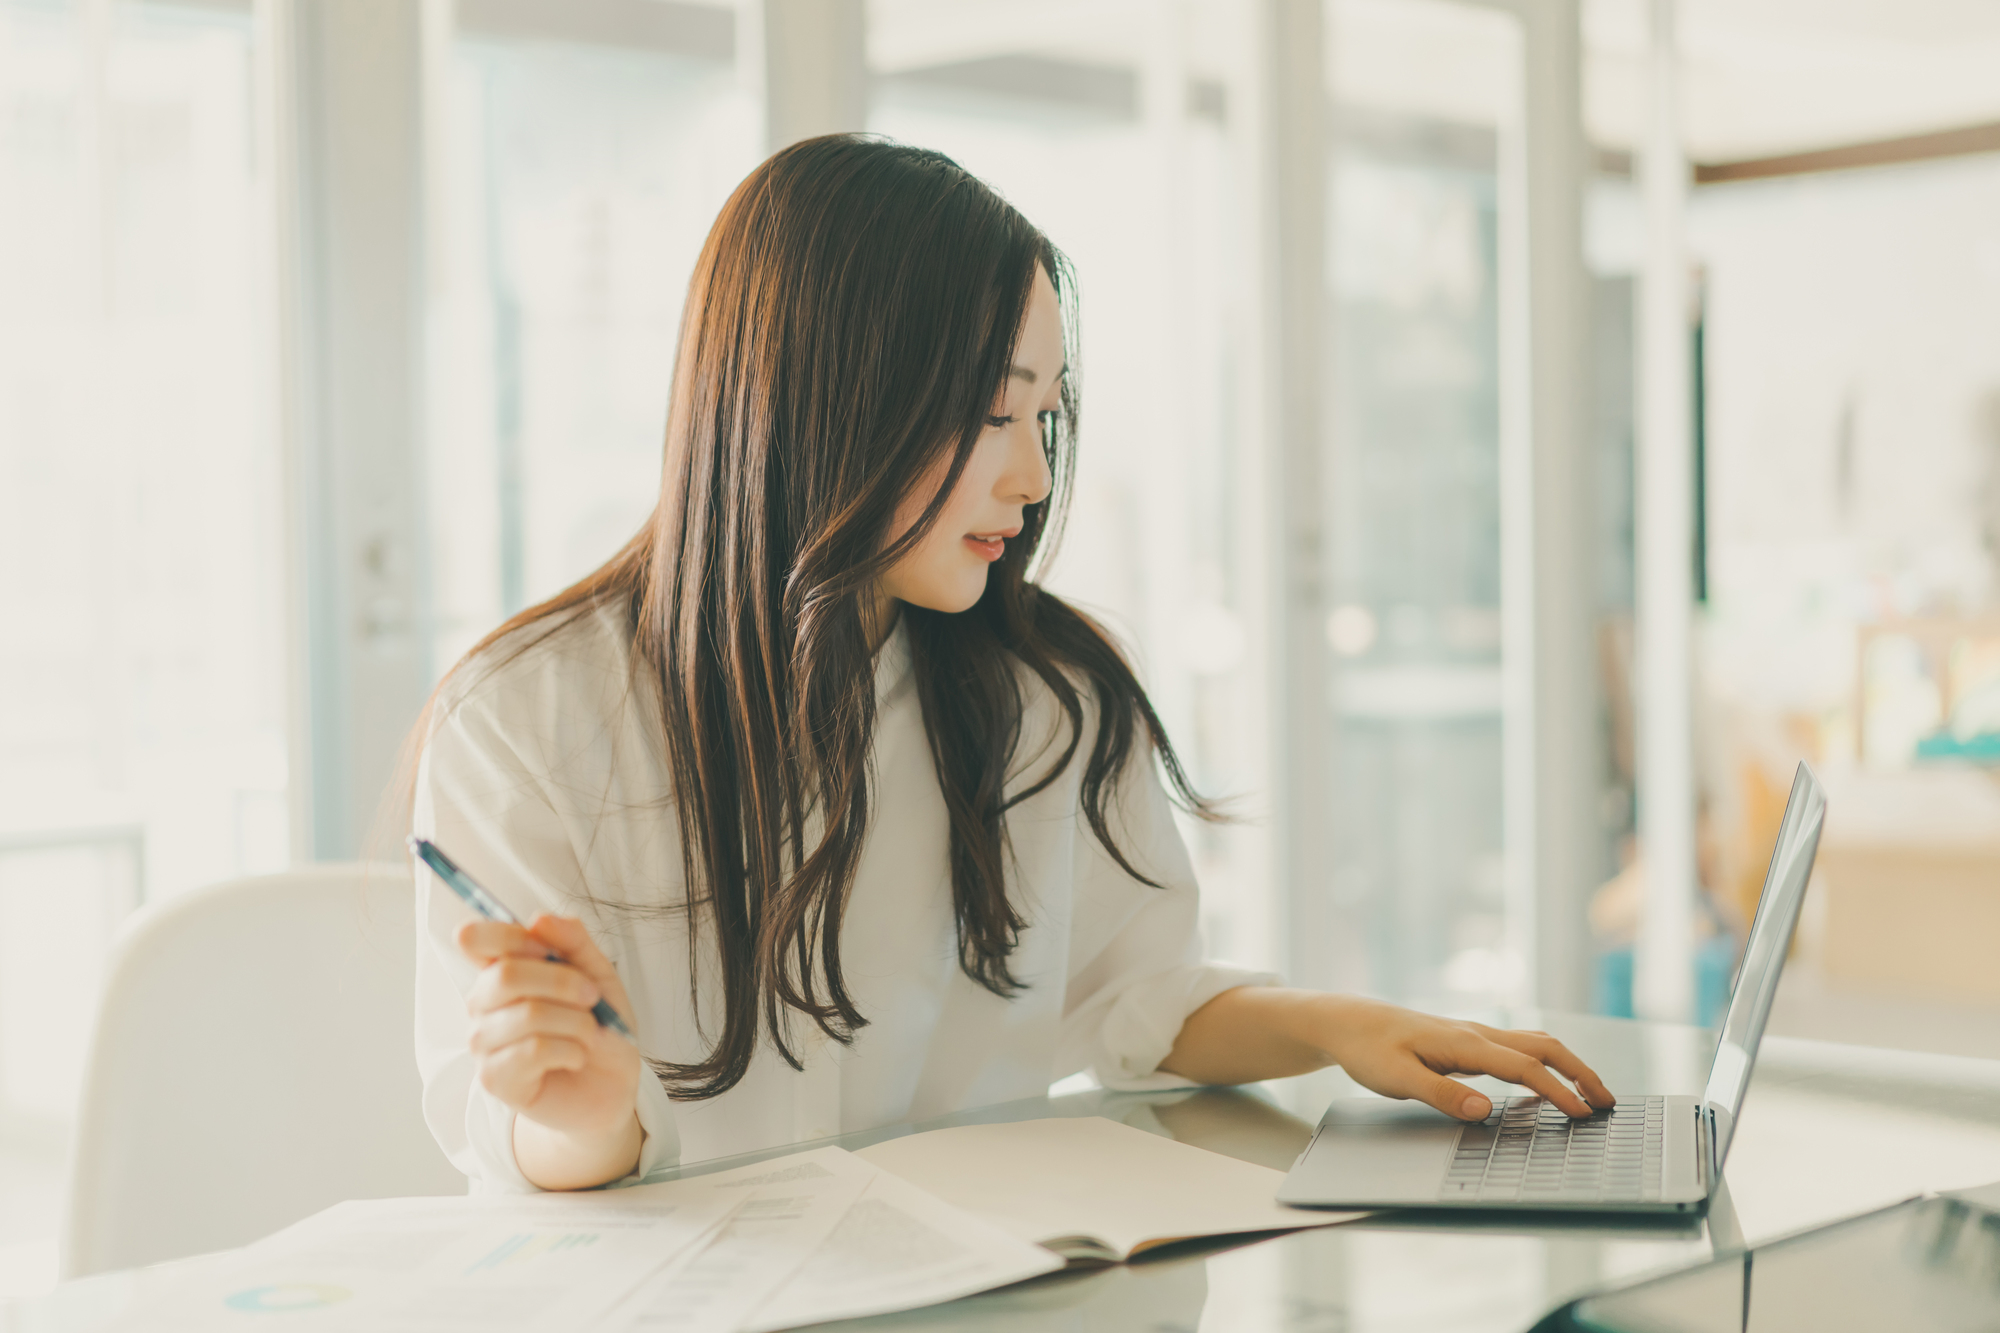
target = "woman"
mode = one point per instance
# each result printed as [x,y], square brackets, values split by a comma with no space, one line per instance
[850,820]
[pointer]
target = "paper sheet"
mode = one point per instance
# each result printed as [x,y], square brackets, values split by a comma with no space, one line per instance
[899,1248]
[801,1239]
[447,1265]
[787,1209]
[1060,1180]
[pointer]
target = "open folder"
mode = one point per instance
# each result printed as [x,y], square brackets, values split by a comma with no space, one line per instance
[1091,1189]
[943,1214]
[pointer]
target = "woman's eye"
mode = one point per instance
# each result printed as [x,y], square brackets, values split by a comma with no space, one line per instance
[1043,419]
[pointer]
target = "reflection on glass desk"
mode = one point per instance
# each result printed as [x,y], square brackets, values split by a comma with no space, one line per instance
[1827,1132]
[1931,1264]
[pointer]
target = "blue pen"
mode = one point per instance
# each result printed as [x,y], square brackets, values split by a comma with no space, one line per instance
[484,903]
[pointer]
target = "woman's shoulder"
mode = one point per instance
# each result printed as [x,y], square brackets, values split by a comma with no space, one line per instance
[548,675]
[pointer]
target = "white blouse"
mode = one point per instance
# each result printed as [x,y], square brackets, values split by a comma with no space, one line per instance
[547,779]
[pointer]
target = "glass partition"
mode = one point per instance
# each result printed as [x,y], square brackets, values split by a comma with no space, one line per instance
[1116,138]
[575,188]
[1425,107]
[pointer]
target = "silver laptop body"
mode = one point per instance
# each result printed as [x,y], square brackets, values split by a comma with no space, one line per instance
[1648,1154]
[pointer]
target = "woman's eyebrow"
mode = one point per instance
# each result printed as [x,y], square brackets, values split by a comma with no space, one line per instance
[1028,376]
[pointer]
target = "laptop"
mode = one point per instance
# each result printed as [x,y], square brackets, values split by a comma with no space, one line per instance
[1645,1155]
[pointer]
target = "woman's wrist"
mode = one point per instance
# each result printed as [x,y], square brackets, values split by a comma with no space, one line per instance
[561,1159]
[1307,1021]
[1332,1023]
[1251,1033]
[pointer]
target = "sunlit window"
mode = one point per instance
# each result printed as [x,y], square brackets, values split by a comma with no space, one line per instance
[1414,624]
[142,741]
[577,186]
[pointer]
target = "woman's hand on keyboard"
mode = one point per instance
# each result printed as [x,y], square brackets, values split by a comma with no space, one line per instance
[1401,1053]
[1258,1032]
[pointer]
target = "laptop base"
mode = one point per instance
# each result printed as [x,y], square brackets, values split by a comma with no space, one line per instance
[1375,1153]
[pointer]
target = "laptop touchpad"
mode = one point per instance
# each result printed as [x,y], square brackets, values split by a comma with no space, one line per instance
[1374,1150]
[1364,1113]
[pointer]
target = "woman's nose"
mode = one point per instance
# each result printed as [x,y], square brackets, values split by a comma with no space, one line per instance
[1028,480]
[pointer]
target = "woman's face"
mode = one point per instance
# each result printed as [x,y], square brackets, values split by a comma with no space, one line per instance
[1007,472]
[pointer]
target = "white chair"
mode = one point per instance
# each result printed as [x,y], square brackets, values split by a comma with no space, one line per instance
[252,1063]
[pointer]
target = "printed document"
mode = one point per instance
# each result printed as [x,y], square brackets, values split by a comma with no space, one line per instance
[786,1209]
[898,1248]
[796,1240]
[447,1265]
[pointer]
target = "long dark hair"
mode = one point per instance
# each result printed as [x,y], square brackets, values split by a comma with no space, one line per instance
[850,323]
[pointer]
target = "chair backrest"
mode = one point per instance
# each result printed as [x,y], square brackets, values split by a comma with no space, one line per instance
[252,1063]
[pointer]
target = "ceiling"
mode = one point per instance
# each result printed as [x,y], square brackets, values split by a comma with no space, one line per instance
[1760,77]
[1763,77]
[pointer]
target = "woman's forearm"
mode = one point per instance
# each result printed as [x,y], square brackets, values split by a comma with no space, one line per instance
[1258,1032]
[1253,1033]
[554,1160]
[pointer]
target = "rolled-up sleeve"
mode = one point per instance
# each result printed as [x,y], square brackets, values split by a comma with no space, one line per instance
[1137,968]
[480,801]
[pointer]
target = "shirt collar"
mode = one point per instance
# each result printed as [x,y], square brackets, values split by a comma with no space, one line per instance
[892,664]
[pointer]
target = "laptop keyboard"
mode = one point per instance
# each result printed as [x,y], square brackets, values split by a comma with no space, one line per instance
[1529,1151]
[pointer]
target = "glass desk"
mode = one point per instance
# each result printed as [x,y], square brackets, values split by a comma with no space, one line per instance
[1827,1131]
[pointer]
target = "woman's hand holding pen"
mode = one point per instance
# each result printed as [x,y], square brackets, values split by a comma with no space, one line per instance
[573,1082]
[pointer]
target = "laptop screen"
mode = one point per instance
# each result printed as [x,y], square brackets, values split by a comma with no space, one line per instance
[1764,956]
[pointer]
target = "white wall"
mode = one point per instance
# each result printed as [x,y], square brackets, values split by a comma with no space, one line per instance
[1854,413]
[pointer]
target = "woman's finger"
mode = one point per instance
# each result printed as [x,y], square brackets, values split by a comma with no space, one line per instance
[568,937]
[1454,1098]
[1404,1075]
[514,1073]
[483,941]
[512,980]
[1505,1063]
[1560,1058]
[500,1028]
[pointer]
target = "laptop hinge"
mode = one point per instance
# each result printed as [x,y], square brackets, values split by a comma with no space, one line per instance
[1705,1131]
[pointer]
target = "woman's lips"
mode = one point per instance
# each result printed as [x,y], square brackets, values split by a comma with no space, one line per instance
[991,545]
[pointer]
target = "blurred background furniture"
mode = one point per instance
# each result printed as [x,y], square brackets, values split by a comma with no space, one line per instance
[251,1065]
[1928,689]
[1910,877]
